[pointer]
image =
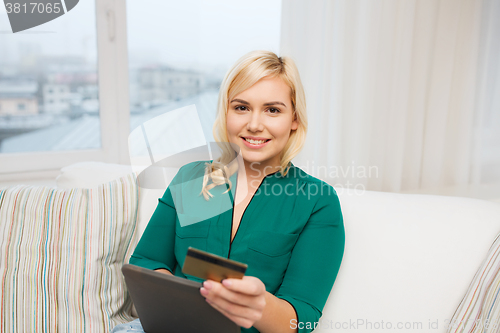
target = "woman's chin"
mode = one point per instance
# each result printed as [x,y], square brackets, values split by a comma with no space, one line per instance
[256,161]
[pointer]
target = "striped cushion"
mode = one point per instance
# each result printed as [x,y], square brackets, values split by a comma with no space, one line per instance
[61,253]
[479,310]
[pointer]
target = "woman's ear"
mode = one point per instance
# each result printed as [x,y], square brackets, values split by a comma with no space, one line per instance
[295,124]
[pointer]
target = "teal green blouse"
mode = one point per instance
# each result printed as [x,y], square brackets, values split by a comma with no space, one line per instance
[291,234]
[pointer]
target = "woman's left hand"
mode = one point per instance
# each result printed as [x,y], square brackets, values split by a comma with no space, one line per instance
[241,300]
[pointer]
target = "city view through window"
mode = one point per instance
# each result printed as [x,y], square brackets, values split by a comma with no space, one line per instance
[178,53]
[48,84]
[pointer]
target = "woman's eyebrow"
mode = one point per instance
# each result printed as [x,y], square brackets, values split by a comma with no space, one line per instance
[265,104]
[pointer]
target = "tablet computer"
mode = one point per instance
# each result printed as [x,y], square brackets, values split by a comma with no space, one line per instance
[167,303]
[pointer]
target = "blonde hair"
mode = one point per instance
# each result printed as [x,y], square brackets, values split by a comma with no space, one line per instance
[249,69]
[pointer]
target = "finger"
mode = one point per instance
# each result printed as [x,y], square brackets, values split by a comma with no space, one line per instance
[235,309]
[217,290]
[240,321]
[248,285]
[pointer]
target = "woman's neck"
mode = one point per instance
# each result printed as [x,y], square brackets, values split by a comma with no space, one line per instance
[251,172]
[255,172]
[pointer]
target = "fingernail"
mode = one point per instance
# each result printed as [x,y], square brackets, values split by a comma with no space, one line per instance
[207,285]
[203,291]
[226,282]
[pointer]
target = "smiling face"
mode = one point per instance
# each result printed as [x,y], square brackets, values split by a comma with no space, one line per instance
[259,121]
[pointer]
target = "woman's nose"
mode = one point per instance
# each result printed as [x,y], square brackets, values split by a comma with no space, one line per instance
[255,122]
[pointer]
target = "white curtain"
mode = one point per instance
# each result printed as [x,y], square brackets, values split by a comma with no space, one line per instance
[401,94]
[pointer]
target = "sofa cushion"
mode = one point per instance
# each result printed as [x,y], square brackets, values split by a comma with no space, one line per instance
[478,310]
[61,256]
[91,174]
[408,260]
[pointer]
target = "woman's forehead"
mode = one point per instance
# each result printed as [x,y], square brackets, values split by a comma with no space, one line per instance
[264,91]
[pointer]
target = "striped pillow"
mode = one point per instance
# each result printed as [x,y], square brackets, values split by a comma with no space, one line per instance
[61,253]
[479,310]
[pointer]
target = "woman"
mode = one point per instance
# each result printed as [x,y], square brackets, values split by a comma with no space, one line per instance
[285,224]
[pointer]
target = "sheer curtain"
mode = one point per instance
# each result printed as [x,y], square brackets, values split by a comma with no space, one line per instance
[401,95]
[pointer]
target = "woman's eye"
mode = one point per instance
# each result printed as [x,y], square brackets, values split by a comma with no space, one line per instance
[244,108]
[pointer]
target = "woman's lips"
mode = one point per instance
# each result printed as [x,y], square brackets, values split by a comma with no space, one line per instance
[249,145]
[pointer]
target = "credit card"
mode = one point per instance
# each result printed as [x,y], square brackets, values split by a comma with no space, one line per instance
[205,265]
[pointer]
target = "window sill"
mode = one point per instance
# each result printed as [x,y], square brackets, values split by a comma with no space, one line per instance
[38,178]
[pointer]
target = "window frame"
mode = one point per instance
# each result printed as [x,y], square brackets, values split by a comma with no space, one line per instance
[114,110]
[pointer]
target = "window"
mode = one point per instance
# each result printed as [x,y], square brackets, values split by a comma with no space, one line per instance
[189,46]
[52,60]
[59,62]
[84,76]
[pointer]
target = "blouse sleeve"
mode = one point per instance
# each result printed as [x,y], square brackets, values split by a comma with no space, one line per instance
[315,262]
[156,247]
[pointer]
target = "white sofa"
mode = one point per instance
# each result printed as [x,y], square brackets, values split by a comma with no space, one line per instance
[408,261]
[408,258]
